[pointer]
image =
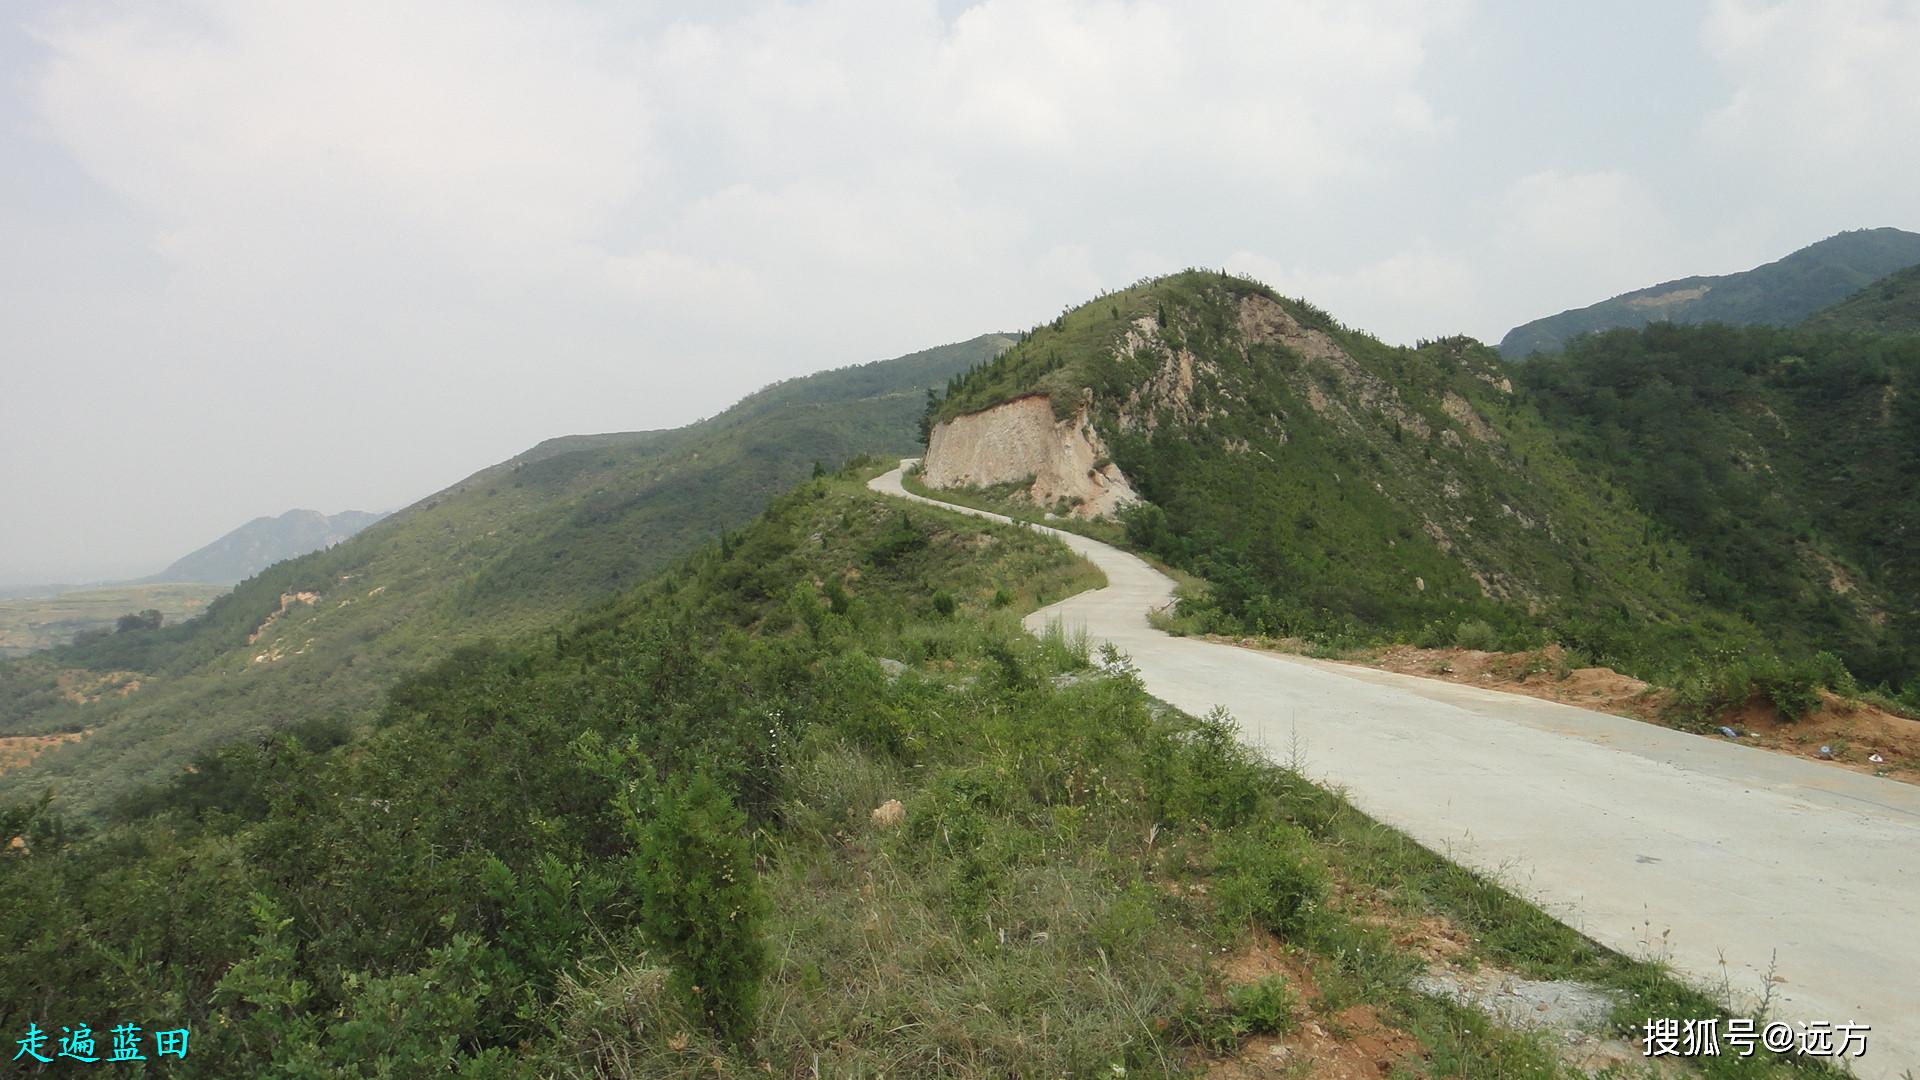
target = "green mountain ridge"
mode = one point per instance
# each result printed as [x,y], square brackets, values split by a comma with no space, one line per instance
[498,555]
[1780,293]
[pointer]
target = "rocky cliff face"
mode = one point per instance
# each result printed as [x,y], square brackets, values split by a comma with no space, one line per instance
[1021,442]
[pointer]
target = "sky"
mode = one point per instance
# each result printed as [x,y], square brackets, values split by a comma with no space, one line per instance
[258,255]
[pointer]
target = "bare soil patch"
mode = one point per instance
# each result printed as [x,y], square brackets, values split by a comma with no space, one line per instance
[17,751]
[1850,734]
[1354,1043]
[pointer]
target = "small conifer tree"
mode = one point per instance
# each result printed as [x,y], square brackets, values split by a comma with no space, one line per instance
[700,901]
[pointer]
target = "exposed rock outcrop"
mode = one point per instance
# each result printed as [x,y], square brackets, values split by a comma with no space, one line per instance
[1021,442]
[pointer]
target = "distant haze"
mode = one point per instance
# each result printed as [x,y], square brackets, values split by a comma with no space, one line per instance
[259,256]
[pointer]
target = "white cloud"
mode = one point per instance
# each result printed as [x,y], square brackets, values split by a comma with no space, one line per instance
[1824,89]
[1401,298]
[1289,95]
[1546,241]
[255,132]
[515,142]
[1576,217]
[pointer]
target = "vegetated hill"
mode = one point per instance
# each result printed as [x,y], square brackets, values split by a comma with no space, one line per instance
[1784,460]
[264,541]
[662,839]
[1888,306]
[502,553]
[1781,293]
[1332,487]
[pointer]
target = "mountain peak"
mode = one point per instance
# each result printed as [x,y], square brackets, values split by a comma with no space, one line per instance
[264,541]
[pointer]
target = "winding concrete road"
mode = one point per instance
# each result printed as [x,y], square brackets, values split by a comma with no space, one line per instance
[1726,860]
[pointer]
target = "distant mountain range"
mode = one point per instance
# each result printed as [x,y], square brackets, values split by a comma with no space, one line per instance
[264,541]
[231,559]
[1781,293]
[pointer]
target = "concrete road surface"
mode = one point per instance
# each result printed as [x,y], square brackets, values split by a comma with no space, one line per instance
[1650,841]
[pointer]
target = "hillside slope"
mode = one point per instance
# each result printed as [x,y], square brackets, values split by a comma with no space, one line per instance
[1330,487]
[809,804]
[1888,306]
[1784,460]
[1328,484]
[1781,293]
[500,554]
[262,542]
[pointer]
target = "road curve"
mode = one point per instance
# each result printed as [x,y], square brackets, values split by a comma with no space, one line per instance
[1650,841]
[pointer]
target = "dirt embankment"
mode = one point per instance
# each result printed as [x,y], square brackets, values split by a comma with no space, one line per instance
[1065,459]
[1354,1043]
[1851,734]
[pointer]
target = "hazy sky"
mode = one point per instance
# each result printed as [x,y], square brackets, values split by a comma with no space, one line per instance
[257,255]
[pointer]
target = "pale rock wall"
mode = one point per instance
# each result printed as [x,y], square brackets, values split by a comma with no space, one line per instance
[1021,439]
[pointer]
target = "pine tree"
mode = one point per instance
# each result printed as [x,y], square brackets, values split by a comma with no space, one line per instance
[700,901]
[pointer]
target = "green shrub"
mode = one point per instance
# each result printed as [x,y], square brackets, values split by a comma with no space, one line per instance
[943,603]
[1198,1022]
[1264,1007]
[1204,774]
[1476,634]
[838,600]
[1269,876]
[1794,690]
[1013,671]
[700,901]
[901,538]
[807,608]
[1709,687]
[1833,674]
[955,827]
[1130,921]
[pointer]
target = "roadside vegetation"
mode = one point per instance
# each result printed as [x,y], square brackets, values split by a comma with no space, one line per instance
[810,804]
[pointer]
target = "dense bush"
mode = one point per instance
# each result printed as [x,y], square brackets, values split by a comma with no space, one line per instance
[1271,875]
[1476,634]
[1726,682]
[699,899]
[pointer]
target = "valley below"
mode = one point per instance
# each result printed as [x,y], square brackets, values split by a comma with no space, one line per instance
[33,624]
